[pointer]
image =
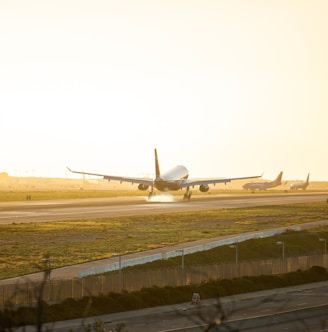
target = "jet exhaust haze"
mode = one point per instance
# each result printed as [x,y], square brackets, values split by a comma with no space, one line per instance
[160,198]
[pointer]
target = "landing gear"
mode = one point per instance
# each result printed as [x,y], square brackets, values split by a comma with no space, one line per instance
[187,195]
[151,193]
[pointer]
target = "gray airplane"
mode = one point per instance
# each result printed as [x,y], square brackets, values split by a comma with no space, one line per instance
[174,179]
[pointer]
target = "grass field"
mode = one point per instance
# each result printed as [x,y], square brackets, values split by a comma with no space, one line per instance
[70,242]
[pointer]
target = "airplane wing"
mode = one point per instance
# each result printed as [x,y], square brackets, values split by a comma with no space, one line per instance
[143,181]
[199,182]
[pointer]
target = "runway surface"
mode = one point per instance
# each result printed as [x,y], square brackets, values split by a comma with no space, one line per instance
[76,209]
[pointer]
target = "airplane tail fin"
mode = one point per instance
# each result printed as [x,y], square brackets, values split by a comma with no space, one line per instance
[157,171]
[277,181]
[307,179]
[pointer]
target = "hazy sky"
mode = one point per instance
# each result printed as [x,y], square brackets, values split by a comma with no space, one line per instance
[226,88]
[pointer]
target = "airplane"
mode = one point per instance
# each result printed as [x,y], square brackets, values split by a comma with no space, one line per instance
[263,185]
[300,185]
[174,179]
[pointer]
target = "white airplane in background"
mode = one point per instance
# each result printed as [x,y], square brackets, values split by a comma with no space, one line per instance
[263,185]
[300,185]
[174,179]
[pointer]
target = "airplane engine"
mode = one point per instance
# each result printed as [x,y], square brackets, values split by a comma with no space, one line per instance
[142,187]
[204,188]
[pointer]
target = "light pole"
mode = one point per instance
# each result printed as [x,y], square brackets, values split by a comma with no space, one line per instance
[283,248]
[119,269]
[182,258]
[325,244]
[48,271]
[235,246]
[182,266]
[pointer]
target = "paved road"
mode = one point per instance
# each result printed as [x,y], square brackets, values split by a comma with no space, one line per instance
[234,308]
[44,211]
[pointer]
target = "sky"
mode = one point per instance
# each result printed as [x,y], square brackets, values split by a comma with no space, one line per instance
[226,88]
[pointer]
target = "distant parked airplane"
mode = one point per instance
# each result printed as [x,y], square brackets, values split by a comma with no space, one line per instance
[300,185]
[263,185]
[174,179]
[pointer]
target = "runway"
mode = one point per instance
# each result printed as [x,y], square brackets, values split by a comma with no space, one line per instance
[77,209]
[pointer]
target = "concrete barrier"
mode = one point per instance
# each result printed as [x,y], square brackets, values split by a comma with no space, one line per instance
[193,247]
[116,265]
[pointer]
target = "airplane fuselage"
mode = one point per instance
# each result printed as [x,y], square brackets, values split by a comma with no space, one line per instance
[257,185]
[172,179]
[299,185]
